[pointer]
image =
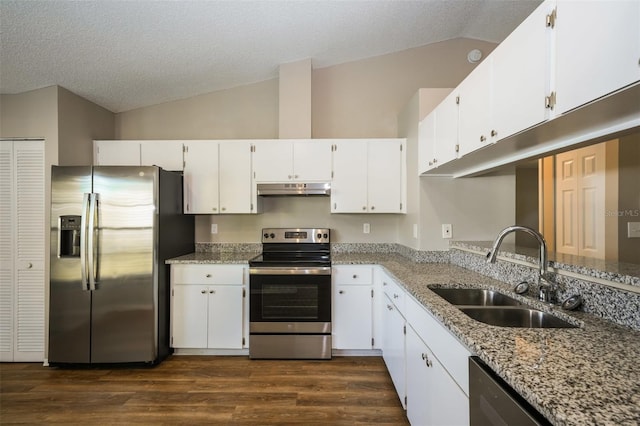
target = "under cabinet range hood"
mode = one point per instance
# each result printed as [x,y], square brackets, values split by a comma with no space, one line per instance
[294,189]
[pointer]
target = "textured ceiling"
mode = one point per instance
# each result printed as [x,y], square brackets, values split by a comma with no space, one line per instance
[128,54]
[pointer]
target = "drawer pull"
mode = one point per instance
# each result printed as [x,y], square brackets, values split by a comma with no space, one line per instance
[355,277]
[395,296]
[212,291]
[208,275]
[341,291]
[203,291]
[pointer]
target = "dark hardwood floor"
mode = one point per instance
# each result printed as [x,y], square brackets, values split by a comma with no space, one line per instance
[204,390]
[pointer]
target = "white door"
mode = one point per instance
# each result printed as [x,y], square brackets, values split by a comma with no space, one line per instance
[116,153]
[353,315]
[189,316]
[385,183]
[474,110]
[22,251]
[273,161]
[446,132]
[591,62]
[427,142]
[349,182]
[393,350]
[580,201]
[312,160]
[235,177]
[225,317]
[201,177]
[165,154]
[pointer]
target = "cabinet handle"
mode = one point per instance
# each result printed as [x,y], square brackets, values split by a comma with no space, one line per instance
[395,296]
[208,275]
[29,265]
[223,209]
[384,283]
[212,291]
[289,176]
[364,207]
[295,176]
[373,207]
[341,291]
[215,209]
[203,291]
[482,138]
[355,276]
[494,133]
[426,360]
[389,307]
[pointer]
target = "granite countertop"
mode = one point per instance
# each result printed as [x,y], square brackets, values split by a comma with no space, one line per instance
[573,376]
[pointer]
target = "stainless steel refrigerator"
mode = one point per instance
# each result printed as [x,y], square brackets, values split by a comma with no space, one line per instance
[112,228]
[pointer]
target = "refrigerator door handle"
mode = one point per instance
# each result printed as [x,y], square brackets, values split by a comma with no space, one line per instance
[83,240]
[92,240]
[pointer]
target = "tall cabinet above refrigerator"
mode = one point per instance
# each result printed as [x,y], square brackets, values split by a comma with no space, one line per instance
[112,228]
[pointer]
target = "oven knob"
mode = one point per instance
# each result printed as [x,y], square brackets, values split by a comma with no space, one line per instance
[272,235]
[266,235]
[325,235]
[319,236]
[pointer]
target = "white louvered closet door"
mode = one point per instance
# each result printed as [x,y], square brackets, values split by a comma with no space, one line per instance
[22,252]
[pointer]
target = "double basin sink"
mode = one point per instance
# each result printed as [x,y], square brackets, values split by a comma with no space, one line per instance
[494,308]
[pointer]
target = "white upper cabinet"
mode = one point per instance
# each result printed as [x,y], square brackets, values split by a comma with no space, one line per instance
[201,177]
[217,177]
[475,109]
[520,76]
[290,160]
[116,153]
[368,176]
[438,134]
[166,154]
[597,49]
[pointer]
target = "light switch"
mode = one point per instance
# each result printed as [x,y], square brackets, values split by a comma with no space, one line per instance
[214,228]
[633,229]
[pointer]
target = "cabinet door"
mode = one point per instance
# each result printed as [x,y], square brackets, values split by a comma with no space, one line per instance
[165,154]
[312,160]
[235,177]
[520,76]
[385,169]
[189,312]
[474,109]
[433,397]
[201,177]
[597,49]
[225,317]
[116,153]
[427,142]
[352,317]
[349,183]
[273,161]
[446,130]
[393,351]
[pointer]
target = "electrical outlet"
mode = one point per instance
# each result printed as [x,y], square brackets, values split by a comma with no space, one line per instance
[366,228]
[214,228]
[633,229]
[446,230]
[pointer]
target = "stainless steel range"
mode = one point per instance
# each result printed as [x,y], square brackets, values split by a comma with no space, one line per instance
[290,295]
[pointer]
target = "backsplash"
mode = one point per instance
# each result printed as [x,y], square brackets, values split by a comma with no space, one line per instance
[606,302]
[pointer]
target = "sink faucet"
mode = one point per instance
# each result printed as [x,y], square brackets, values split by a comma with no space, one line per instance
[546,287]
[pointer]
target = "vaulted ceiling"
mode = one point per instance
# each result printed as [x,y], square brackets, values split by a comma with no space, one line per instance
[129,54]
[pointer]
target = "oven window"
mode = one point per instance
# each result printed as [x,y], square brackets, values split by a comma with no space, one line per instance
[281,302]
[276,298]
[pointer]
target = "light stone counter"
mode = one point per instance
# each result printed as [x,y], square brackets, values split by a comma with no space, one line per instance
[575,376]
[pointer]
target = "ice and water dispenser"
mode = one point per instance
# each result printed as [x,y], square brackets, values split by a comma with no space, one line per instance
[69,237]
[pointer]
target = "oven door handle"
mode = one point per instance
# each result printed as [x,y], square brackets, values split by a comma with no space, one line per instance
[293,270]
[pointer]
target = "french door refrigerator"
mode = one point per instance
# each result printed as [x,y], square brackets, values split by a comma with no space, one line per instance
[112,228]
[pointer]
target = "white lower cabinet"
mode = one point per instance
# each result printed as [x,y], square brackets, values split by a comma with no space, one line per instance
[353,294]
[207,306]
[393,350]
[433,397]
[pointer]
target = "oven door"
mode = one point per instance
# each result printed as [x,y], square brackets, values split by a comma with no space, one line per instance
[290,300]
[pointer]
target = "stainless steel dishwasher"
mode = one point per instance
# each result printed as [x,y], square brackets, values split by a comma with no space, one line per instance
[493,402]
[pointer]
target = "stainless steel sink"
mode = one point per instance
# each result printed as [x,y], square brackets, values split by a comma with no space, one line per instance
[474,297]
[515,317]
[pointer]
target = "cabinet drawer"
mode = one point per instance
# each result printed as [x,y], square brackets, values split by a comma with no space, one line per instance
[394,292]
[207,274]
[346,275]
[452,354]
